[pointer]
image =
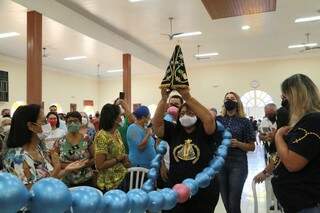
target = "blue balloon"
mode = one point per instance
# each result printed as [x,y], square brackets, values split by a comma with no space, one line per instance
[13,194]
[85,199]
[156,162]
[138,200]
[203,180]
[153,174]
[170,198]
[227,134]
[226,142]
[192,185]
[217,163]
[210,172]
[115,201]
[148,186]
[220,126]
[51,195]
[161,149]
[222,151]
[156,202]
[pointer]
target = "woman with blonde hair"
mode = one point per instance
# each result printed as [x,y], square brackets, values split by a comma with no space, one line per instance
[296,181]
[235,171]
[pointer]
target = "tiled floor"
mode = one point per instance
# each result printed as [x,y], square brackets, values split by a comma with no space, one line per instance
[256,164]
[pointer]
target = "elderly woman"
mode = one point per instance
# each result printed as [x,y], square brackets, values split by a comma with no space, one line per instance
[296,181]
[24,156]
[192,143]
[73,147]
[110,157]
[87,128]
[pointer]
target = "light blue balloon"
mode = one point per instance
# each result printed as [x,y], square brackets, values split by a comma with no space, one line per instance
[156,202]
[227,135]
[138,200]
[210,172]
[13,194]
[115,201]
[217,163]
[203,180]
[161,149]
[148,186]
[222,151]
[85,199]
[51,195]
[156,162]
[220,127]
[192,185]
[170,198]
[226,142]
[153,174]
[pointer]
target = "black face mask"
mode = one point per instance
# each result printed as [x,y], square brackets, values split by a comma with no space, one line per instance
[285,104]
[230,105]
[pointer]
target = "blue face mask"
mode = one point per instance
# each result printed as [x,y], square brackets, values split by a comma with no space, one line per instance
[73,127]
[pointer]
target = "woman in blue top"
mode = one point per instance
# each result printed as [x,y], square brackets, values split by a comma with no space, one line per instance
[140,140]
[235,171]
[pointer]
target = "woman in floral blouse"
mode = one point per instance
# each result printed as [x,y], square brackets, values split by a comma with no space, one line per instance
[110,158]
[24,156]
[73,147]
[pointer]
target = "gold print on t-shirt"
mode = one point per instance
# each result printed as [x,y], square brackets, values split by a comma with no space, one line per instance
[306,133]
[187,152]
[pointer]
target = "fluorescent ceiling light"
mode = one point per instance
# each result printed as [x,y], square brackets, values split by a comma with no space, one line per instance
[203,55]
[302,45]
[10,34]
[307,19]
[74,58]
[245,27]
[116,70]
[135,0]
[187,34]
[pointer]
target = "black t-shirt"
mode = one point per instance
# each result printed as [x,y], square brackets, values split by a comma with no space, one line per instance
[299,190]
[189,153]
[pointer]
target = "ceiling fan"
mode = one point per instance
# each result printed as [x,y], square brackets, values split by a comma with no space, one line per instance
[201,56]
[307,46]
[198,55]
[172,35]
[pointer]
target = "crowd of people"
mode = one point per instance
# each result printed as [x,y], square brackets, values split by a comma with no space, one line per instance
[86,150]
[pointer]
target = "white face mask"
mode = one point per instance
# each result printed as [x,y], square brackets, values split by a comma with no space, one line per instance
[122,122]
[45,132]
[188,121]
[84,121]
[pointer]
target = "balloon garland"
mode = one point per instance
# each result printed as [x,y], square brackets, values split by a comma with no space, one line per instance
[52,195]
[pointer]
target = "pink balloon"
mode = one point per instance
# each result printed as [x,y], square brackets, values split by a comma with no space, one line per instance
[183,192]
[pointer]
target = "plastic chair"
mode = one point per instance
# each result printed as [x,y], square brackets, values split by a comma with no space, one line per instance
[137,175]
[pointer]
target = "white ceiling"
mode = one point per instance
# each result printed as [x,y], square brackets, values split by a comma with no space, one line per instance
[142,23]
[61,42]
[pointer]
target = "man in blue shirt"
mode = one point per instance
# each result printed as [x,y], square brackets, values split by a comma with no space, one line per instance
[140,140]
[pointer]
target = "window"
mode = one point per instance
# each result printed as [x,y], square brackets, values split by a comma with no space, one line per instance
[254,102]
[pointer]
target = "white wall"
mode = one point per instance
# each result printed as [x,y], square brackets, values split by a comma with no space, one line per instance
[65,88]
[229,77]
[58,86]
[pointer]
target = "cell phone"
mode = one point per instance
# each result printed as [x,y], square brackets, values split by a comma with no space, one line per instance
[121,95]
